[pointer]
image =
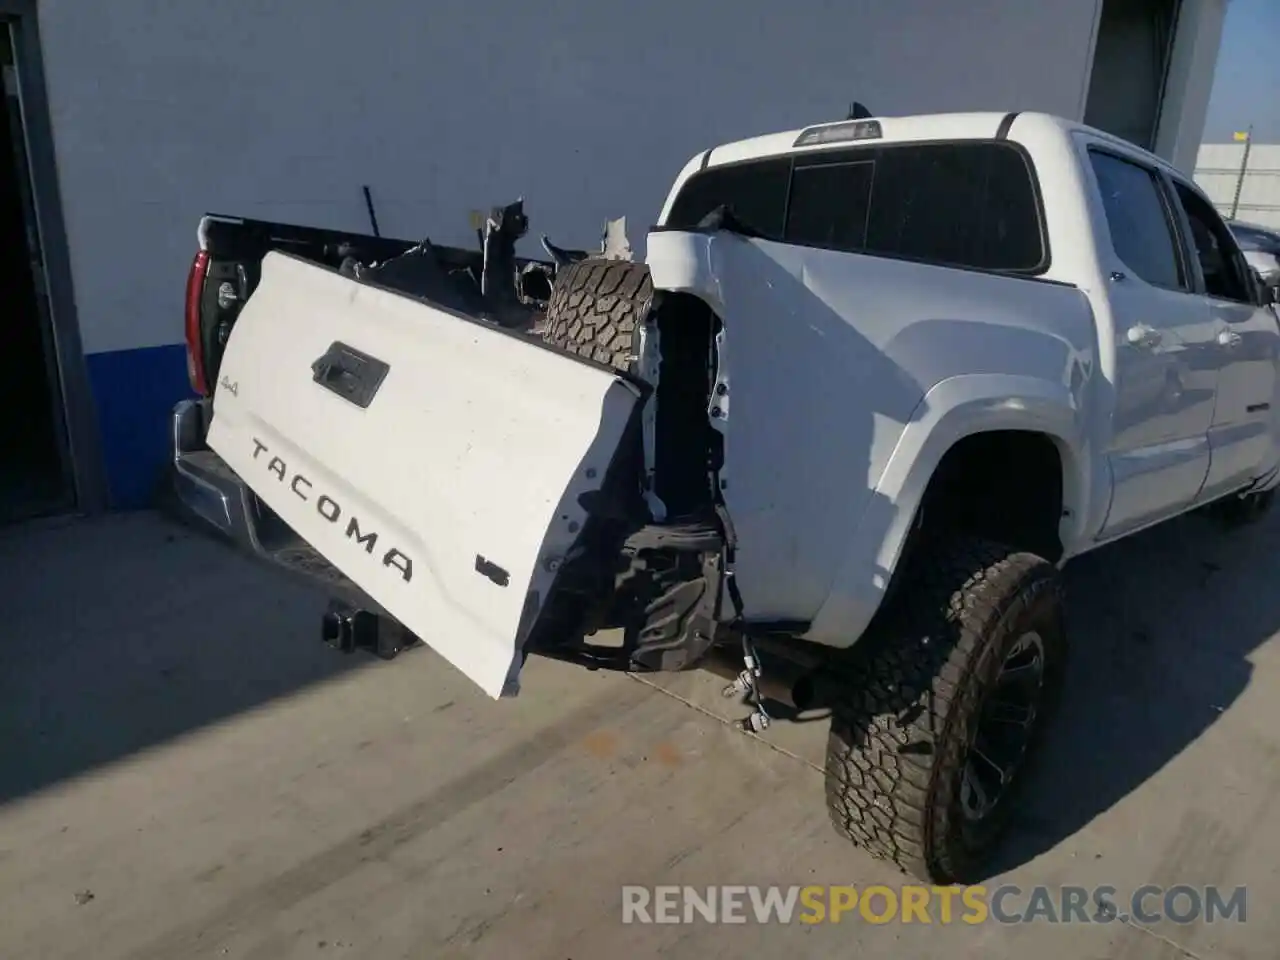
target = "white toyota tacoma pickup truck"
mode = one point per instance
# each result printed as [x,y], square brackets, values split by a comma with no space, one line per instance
[876,382]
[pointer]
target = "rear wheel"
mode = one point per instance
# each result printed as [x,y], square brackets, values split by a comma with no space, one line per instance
[937,714]
[596,308]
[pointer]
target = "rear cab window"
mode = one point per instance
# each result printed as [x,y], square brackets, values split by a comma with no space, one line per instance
[972,204]
[756,191]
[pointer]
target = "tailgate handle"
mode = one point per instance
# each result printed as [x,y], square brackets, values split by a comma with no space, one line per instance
[351,374]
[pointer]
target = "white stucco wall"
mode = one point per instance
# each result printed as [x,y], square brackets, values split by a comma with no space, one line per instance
[1218,168]
[163,109]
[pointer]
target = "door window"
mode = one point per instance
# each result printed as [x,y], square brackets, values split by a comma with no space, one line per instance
[1226,275]
[1138,220]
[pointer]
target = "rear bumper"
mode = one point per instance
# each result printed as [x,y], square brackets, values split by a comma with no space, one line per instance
[208,494]
[205,489]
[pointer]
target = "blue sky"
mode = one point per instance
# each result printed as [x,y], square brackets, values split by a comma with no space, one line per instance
[1246,86]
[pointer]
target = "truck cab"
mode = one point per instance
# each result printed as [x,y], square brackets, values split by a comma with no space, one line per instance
[1179,363]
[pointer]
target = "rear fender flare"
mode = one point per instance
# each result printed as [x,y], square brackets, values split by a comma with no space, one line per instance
[952,410]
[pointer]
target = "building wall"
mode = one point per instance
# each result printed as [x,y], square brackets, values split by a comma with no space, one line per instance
[1190,81]
[163,111]
[1218,167]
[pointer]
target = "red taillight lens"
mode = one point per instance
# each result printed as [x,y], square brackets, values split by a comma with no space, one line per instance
[195,342]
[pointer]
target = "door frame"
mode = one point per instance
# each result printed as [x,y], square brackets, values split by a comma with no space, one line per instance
[1113,527]
[80,441]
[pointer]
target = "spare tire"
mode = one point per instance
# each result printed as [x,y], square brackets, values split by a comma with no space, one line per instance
[596,308]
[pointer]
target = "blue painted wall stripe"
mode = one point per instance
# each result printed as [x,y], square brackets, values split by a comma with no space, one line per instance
[133,391]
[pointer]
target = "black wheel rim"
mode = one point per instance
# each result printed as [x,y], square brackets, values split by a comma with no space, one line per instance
[1005,727]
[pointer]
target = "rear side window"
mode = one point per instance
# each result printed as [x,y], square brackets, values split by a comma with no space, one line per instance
[1138,220]
[969,204]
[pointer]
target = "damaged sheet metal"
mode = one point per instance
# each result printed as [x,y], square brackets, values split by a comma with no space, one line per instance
[614,244]
[498,276]
[419,273]
[497,290]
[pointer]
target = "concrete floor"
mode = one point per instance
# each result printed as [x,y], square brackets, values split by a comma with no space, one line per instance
[185,772]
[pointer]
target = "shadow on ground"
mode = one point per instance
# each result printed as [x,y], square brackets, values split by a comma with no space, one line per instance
[1162,626]
[124,632]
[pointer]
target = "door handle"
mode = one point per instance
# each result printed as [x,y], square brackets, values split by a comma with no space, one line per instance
[1141,335]
[352,375]
[1229,339]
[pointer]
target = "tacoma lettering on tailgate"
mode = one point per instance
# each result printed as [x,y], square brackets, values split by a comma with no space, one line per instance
[332,511]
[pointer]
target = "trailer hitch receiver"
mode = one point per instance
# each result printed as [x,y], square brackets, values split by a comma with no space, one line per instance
[349,629]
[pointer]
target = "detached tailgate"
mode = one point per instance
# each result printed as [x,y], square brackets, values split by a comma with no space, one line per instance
[438,462]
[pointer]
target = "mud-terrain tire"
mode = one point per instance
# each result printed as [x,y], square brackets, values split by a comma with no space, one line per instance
[915,694]
[596,308]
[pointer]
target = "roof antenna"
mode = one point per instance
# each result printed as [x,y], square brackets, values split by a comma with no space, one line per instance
[858,112]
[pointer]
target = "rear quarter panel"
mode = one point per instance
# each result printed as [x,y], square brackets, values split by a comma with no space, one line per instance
[848,379]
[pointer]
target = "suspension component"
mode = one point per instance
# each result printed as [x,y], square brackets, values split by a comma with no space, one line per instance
[749,681]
